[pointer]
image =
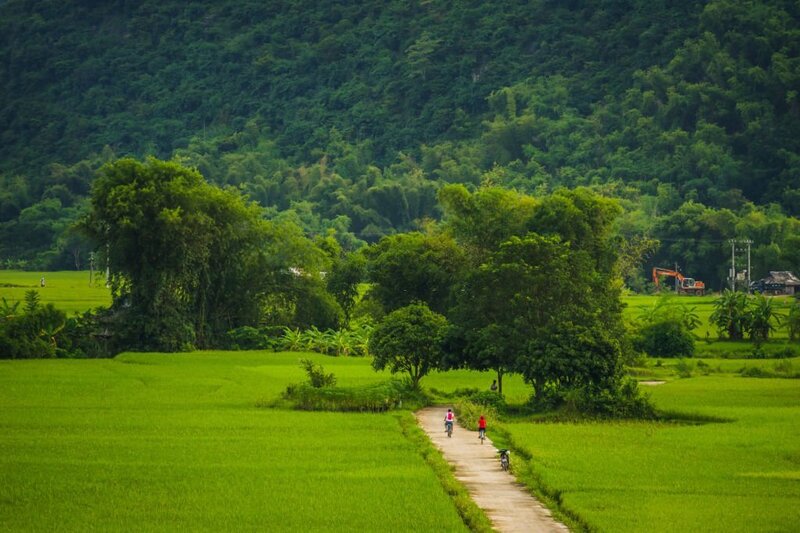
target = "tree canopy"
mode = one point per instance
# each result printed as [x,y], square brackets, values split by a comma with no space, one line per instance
[188,261]
[351,117]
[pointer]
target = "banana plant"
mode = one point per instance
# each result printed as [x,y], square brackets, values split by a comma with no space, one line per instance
[292,339]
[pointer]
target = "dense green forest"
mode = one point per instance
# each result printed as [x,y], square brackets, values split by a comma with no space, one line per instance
[347,118]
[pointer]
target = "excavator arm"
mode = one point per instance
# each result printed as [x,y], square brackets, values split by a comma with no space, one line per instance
[685,285]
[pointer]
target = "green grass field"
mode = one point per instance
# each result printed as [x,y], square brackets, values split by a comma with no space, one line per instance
[742,475]
[708,343]
[69,291]
[175,442]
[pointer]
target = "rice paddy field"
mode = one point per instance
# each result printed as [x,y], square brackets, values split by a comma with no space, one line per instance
[155,442]
[702,306]
[740,473]
[69,291]
[164,442]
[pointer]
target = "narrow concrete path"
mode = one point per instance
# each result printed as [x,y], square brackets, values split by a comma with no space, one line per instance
[507,504]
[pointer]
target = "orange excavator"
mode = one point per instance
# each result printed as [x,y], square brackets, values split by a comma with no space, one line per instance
[684,285]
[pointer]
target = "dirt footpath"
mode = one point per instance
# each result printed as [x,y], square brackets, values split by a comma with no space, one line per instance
[507,504]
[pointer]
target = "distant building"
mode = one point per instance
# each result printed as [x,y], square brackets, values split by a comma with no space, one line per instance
[778,282]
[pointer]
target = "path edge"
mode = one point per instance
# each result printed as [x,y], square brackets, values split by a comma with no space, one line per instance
[473,517]
[527,476]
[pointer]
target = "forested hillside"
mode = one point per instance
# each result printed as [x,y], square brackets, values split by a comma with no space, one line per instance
[350,116]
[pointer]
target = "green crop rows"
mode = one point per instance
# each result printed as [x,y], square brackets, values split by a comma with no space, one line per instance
[166,442]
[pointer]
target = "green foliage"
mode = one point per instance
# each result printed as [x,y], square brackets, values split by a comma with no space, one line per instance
[623,401]
[793,320]
[190,261]
[373,398]
[316,374]
[409,340]
[762,318]
[684,368]
[344,279]
[469,411]
[31,301]
[343,342]
[688,115]
[414,267]
[730,314]
[665,338]
[250,338]
[36,332]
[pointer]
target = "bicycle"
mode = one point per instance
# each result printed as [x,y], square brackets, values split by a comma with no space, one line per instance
[482,434]
[448,427]
[504,459]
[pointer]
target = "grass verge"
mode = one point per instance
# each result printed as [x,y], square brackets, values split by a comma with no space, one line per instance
[474,517]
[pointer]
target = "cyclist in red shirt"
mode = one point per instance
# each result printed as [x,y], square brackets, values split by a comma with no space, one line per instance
[481,428]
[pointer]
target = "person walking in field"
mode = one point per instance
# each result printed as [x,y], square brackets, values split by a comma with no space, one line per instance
[482,428]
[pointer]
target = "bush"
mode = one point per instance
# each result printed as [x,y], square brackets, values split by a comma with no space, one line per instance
[684,369]
[668,338]
[250,338]
[488,399]
[625,400]
[316,374]
[755,372]
[394,394]
[469,412]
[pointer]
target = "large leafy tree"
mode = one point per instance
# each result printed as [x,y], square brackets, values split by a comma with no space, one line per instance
[415,267]
[189,261]
[542,293]
[532,308]
[409,340]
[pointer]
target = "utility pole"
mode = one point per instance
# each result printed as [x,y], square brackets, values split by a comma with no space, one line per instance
[749,242]
[733,242]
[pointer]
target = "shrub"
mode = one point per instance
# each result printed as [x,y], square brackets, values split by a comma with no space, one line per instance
[379,397]
[250,338]
[488,399]
[316,374]
[469,412]
[755,372]
[625,400]
[668,338]
[684,369]
[783,367]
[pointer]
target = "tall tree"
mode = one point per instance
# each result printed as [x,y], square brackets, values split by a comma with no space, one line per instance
[415,267]
[189,261]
